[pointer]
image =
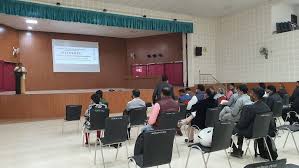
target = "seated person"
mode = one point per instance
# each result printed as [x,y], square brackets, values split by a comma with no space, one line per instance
[200,95]
[199,111]
[184,96]
[294,99]
[245,125]
[273,96]
[102,100]
[95,103]
[233,113]
[231,101]
[230,90]
[135,103]
[220,96]
[165,104]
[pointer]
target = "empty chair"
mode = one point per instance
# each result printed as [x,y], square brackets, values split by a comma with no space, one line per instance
[72,113]
[212,116]
[115,133]
[137,117]
[277,164]
[277,111]
[260,130]
[157,149]
[168,120]
[221,140]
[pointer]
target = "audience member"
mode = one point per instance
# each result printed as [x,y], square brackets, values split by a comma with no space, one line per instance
[233,113]
[295,98]
[282,90]
[165,104]
[102,100]
[231,101]
[198,115]
[135,103]
[96,102]
[244,127]
[184,96]
[200,95]
[273,96]
[189,92]
[157,92]
[230,90]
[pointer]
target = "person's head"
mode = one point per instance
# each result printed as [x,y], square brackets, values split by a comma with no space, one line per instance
[200,87]
[95,98]
[210,92]
[242,89]
[262,85]
[231,86]
[297,84]
[281,86]
[271,89]
[164,78]
[220,91]
[166,91]
[188,90]
[136,93]
[99,93]
[182,92]
[257,93]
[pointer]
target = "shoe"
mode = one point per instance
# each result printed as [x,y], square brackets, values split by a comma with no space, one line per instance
[116,145]
[189,141]
[237,153]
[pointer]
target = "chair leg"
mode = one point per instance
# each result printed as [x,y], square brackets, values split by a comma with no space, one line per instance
[188,158]
[249,151]
[117,151]
[285,142]
[295,142]
[177,147]
[132,160]
[62,131]
[204,160]
[268,149]
[247,148]
[208,157]
[127,149]
[230,165]
[95,153]
[103,160]
[169,165]
[78,128]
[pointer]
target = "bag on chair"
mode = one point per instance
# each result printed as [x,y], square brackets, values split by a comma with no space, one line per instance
[263,152]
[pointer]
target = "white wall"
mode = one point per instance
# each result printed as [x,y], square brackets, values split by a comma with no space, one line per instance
[281,12]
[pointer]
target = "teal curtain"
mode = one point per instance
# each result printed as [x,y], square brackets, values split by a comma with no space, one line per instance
[30,9]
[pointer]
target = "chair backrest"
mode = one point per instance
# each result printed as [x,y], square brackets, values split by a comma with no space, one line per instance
[183,111]
[116,129]
[97,118]
[212,116]
[167,120]
[137,116]
[286,99]
[158,147]
[222,134]
[73,112]
[277,164]
[261,125]
[277,109]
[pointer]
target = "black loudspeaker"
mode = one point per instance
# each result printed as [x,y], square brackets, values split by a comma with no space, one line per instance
[198,51]
[294,19]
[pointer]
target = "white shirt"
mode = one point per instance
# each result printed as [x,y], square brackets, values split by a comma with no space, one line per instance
[21,69]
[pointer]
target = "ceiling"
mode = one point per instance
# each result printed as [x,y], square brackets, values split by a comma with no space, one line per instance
[74,28]
[206,8]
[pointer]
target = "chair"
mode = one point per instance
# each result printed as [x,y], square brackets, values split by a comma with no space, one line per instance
[260,130]
[72,113]
[157,149]
[291,130]
[137,117]
[183,111]
[277,111]
[115,133]
[212,116]
[277,164]
[169,120]
[221,140]
[97,122]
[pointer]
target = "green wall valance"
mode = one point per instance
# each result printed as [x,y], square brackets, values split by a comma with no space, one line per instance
[42,11]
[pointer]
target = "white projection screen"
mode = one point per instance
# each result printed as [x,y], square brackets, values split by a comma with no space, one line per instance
[75,56]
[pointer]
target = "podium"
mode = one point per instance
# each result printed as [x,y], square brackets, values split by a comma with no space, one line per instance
[20,82]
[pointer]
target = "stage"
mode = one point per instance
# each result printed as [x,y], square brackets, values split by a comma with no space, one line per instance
[50,104]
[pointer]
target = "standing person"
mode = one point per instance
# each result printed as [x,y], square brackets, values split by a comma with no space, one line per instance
[157,92]
[295,98]
[20,76]
[282,90]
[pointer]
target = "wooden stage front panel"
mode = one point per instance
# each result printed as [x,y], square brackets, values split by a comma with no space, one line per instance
[50,106]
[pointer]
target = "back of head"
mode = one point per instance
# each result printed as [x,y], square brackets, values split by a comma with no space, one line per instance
[166,91]
[272,88]
[258,92]
[100,93]
[182,91]
[262,85]
[136,93]
[243,88]
[188,90]
[221,91]
[201,87]
[95,98]
[210,93]
[164,78]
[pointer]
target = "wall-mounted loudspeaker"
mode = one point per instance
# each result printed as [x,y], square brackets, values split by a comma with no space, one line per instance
[198,51]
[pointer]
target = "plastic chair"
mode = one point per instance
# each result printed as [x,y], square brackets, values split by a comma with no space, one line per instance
[277,164]
[212,116]
[137,117]
[277,111]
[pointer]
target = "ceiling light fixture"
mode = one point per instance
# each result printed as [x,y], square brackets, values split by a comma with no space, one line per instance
[30,28]
[31,21]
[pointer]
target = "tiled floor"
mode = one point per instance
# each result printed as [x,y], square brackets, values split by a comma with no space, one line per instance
[41,145]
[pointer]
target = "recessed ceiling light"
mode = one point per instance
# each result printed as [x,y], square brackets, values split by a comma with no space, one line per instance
[30,28]
[31,21]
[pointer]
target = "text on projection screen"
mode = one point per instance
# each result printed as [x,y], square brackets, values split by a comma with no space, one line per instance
[75,56]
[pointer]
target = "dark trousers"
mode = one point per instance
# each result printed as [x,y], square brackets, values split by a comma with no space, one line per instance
[18,76]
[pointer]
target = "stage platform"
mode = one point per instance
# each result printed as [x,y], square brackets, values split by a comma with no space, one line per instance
[50,104]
